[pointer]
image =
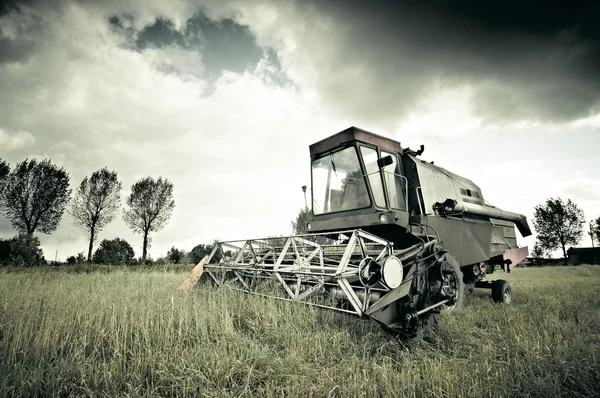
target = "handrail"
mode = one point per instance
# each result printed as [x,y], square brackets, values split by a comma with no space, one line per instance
[405,190]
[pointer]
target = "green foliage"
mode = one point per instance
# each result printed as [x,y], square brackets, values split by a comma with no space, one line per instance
[175,255]
[299,227]
[80,259]
[114,252]
[299,224]
[538,251]
[35,196]
[276,241]
[95,202]
[150,207]
[558,224]
[199,252]
[595,230]
[21,251]
[4,169]
[123,333]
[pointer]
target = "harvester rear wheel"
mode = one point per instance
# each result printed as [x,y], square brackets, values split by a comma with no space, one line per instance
[501,291]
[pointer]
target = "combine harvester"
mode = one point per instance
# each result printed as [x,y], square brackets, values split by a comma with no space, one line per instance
[391,238]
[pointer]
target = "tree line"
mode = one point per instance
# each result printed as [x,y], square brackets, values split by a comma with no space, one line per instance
[35,194]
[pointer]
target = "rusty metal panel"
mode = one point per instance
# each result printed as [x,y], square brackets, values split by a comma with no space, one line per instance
[516,256]
[192,279]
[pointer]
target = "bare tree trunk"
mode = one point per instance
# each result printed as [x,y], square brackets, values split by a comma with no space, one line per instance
[91,246]
[562,244]
[145,247]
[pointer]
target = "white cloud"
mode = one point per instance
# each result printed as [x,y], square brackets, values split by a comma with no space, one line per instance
[239,155]
[445,112]
[592,121]
[16,140]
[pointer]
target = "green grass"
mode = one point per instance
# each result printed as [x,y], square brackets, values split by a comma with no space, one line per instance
[126,333]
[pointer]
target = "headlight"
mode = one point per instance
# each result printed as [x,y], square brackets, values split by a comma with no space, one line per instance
[392,272]
[308,226]
[383,218]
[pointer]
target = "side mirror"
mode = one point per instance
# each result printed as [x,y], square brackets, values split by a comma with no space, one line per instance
[385,161]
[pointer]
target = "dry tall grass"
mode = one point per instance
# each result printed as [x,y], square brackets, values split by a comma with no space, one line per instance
[127,333]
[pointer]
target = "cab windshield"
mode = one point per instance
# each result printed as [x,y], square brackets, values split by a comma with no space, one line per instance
[338,183]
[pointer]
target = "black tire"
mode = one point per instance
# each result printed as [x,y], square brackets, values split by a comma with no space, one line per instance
[501,291]
[459,284]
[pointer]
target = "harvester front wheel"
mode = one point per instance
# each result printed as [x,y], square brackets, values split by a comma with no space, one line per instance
[501,291]
[452,284]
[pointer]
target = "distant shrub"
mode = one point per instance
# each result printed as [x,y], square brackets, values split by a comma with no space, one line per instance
[200,251]
[114,252]
[21,251]
[159,261]
[148,261]
[80,259]
[176,256]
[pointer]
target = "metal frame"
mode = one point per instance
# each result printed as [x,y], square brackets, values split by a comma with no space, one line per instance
[387,190]
[303,266]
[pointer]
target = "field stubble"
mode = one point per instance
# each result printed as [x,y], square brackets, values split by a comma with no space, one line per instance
[125,333]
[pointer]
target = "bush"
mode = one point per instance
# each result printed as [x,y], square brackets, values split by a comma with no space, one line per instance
[198,252]
[176,256]
[22,251]
[80,259]
[114,252]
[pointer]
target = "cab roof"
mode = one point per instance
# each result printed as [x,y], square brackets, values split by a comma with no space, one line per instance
[348,137]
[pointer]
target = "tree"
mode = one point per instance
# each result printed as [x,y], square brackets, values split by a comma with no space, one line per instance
[114,252]
[35,196]
[21,250]
[538,251]
[80,259]
[299,225]
[96,200]
[4,170]
[558,224]
[200,251]
[595,231]
[175,255]
[150,207]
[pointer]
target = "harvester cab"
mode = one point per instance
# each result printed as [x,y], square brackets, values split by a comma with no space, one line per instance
[404,199]
[390,237]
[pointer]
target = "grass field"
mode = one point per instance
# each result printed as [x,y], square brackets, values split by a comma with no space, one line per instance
[126,333]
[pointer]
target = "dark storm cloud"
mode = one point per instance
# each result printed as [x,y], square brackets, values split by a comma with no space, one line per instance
[224,44]
[522,61]
[161,34]
[15,50]
[9,6]
[229,46]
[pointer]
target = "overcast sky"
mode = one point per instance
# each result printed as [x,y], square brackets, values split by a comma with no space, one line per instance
[224,97]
